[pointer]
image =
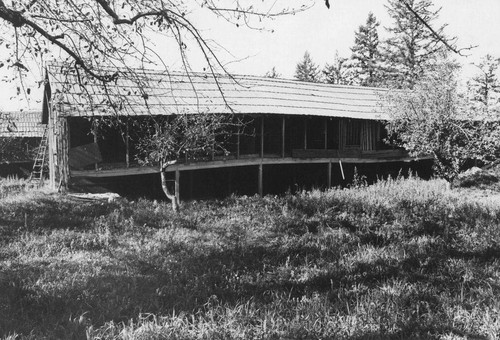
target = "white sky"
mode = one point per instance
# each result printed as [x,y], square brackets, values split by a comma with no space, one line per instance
[322,32]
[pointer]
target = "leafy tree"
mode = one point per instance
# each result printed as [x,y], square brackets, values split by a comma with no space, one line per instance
[366,55]
[412,44]
[307,70]
[164,140]
[484,87]
[432,119]
[16,149]
[338,72]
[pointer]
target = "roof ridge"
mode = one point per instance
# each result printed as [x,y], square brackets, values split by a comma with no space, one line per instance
[236,76]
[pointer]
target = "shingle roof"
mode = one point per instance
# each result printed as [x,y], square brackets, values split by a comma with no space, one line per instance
[145,92]
[21,124]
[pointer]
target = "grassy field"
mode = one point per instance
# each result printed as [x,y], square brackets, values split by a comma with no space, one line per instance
[400,259]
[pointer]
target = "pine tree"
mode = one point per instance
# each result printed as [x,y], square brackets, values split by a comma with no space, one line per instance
[484,87]
[307,70]
[338,72]
[366,57]
[412,45]
[273,73]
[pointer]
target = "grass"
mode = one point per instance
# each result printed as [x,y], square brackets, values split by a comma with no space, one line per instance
[400,259]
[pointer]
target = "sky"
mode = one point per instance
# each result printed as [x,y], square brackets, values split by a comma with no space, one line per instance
[282,42]
[322,32]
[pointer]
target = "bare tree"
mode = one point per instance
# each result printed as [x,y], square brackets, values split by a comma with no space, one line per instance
[116,33]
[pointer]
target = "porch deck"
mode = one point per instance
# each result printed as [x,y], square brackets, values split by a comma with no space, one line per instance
[297,157]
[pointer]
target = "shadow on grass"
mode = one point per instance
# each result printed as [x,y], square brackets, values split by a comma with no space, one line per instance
[61,299]
[45,212]
[161,284]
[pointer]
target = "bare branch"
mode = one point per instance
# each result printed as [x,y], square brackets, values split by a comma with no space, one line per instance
[438,36]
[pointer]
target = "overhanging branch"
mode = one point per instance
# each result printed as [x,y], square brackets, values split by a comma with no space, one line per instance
[438,36]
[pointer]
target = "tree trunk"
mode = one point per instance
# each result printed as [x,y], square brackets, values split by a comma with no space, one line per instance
[170,196]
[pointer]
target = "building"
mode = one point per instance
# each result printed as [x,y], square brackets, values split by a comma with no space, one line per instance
[296,133]
[20,135]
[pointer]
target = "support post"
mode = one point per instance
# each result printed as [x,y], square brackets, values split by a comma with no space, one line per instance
[177,186]
[127,147]
[283,137]
[325,123]
[191,184]
[262,137]
[61,126]
[261,182]
[238,143]
[329,181]
[94,134]
[51,137]
[305,133]
[52,148]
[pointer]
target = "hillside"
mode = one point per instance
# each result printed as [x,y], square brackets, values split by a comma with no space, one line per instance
[399,259]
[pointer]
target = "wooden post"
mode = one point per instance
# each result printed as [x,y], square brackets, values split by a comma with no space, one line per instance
[177,185]
[61,127]
[260,181]
[305,133]
[329,181]
[283,137]
[262,137]
[229,180]
[238,143]
[325,122]
[127,148]
[341,169]
[51,139]
[94,133]
[191,184]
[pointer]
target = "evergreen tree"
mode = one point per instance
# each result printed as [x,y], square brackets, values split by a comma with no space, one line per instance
[412,46]
[272,74]
[366,57]
[339,72]
[307,70]
[484,87]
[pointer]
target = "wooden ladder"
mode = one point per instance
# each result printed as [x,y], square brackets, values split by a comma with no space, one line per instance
[39,164]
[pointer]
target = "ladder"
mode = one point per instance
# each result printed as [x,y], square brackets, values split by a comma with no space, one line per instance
[39,164]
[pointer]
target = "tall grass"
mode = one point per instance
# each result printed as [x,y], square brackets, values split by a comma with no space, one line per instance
[12,185]
[403,258]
